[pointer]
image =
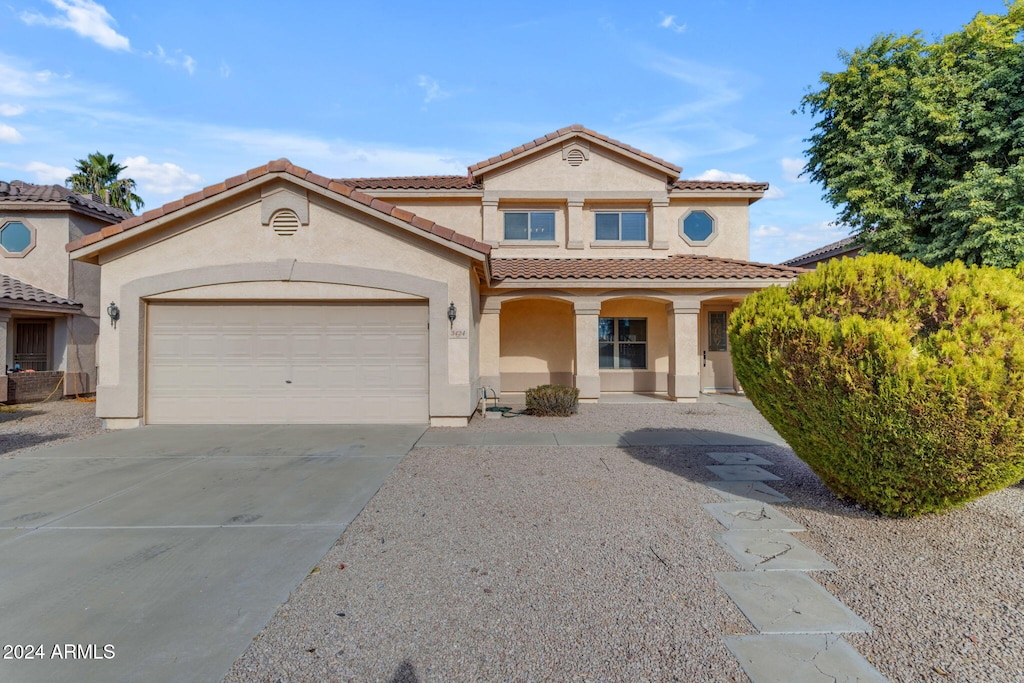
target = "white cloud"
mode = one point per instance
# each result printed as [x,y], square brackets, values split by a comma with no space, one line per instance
[9,134]
[225,70]
[766,231]
[86,18]
[165,178]
[715,174]
[11,110]
[791,170]
[16,81]
[669,21]
[432,89]
[178,59]
[45,173]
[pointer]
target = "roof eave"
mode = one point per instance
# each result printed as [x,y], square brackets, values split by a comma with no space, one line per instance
[417,191]
[750,195]
[59,207]
[7,303]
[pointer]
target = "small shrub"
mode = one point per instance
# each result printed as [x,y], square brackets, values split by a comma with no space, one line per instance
[901,386]
[552,400]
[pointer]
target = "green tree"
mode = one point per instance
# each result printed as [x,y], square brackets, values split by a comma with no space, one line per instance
[920,145]
[98,174]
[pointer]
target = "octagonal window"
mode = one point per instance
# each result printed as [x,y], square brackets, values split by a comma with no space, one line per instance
[16,238]
[698,227]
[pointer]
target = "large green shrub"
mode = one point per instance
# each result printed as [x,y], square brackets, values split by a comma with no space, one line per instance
[901,386]
[552,400]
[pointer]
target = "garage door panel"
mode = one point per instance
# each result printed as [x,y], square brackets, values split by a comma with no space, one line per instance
[287,363]
[236,344]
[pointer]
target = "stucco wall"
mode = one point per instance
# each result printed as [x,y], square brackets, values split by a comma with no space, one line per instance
[46,265]
[732,221]
[461,215]
[537,343]
[548,172]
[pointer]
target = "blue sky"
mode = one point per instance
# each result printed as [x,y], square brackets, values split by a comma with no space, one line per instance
[187,94]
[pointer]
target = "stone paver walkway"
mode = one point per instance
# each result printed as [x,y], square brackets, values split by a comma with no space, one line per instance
[798,622]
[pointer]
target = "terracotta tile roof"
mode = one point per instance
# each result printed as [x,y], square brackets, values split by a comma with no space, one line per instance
[12,290]
[19,191]
[719,185]
[677,267]
[843,246]
[561,132]
[286,167]
[416,182]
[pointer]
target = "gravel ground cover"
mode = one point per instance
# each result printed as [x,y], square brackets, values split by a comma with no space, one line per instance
[596,563]
[27,427]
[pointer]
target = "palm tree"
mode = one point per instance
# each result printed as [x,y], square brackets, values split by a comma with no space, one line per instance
[98,174]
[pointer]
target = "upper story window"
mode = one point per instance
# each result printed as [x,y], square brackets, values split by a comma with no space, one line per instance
[16,238]
[537,226]
[622,226]
[698,228]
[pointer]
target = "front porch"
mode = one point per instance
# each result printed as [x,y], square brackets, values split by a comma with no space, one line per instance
[615,347]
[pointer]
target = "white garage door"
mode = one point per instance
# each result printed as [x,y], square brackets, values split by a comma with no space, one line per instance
[287,363]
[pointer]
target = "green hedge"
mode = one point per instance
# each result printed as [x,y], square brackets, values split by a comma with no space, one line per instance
[901,386]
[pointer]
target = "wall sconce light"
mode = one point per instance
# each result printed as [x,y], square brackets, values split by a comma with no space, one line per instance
[452,314]
[114,312]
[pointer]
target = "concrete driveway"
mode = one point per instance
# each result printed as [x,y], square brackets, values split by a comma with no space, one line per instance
[157,554]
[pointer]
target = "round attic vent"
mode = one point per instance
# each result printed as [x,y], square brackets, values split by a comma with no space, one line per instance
[285,222]
[574,157]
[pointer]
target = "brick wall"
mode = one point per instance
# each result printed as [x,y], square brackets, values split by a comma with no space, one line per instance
[29,387]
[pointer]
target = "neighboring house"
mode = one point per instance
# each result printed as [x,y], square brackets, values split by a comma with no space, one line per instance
[845,247]
[280,295]
[49,305]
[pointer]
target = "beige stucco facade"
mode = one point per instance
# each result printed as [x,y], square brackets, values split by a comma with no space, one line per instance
[620,316]
[71,331]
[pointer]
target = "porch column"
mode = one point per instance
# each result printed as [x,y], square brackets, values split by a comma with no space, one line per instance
[588,374]
[5,319]
[683,352]
[574,226]
[492,232]
[490,345]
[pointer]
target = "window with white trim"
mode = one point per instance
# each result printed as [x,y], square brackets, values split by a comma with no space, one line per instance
[622,343]
[620,226]
[535,226]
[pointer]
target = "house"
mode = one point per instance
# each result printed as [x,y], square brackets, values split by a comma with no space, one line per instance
[846,247]
[49,305]
[280,295]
